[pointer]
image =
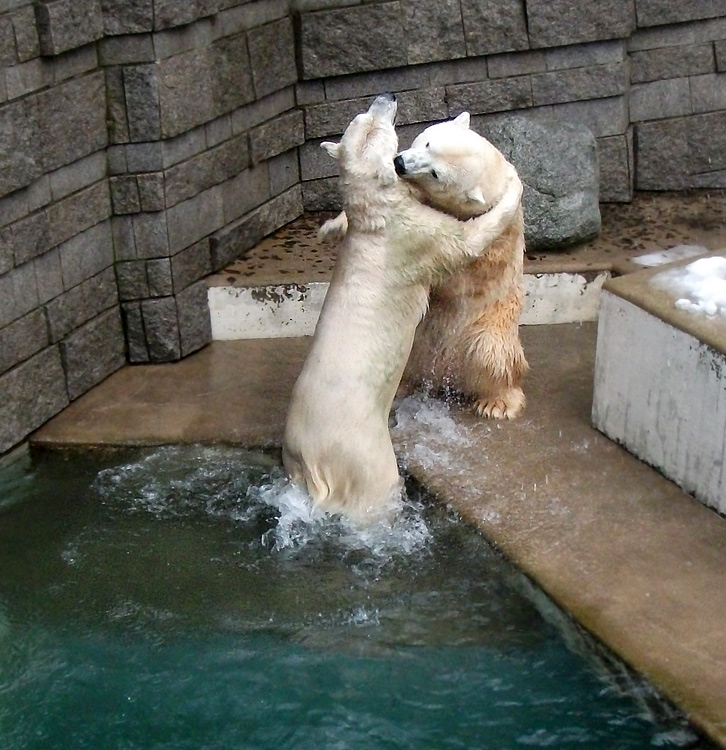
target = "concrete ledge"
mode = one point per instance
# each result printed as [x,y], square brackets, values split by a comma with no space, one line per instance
[660,383]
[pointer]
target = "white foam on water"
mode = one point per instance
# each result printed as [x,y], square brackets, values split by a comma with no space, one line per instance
[700,287]
[661,257]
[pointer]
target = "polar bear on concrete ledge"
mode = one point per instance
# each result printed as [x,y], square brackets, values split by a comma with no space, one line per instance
[337,442]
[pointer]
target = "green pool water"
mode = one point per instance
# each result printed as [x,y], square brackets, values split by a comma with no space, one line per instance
[188,598]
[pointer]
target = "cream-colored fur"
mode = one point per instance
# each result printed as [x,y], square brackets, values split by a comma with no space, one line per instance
[469,340]
[337,443]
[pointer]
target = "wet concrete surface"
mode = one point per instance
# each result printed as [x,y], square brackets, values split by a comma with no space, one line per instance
[635,560]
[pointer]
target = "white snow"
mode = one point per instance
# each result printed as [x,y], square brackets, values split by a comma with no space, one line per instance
[700,287]
[661,257]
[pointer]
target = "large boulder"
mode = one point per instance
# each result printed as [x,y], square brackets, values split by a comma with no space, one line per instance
[557,163]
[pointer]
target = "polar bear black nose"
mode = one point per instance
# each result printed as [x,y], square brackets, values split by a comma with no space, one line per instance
[398,165]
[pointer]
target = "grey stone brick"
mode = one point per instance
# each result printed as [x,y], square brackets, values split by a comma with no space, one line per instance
[433,30]
[144,157]
[671,62]
[75,63]
[169,13]
[190,265]
[27,43]
[27,77]
[275,137]
[219,130]
[251,188]
[151,190]
[516,64]
[659,12]
[19,164]
[133,283]
[134,330]
[720,49]
[660,99]
[175,41]
[234,17]
[33,392]
[332,119]
[158,272]
[195,326]
[310,92]
[142,93]
[662,36]
[284,172]
[494,26]
[712,30]
[28,238]
[69,120]
[186,96]
[77,176]
[457,71]
[707,142]
[18,293]
[127,16]
[66,24]
[124,195]
[372,84]
[7,255]
[272,57]
[118,125]
[616,168]
[161,327]
[93,352]
[708,92]
[574,84]
[79,212]
[316,163]
[128,49]
[151,239]
[604,117]
[124,243]
[248,116]
[422,105]
[82,303]
[490,96]
[195,218]
[352,40]
[48,276]
[321,195]
[206,170]
[184,146]
[554,23]
[86,254]
[662,161]
[22,339]
[232,77]
[586,55]
[232,241]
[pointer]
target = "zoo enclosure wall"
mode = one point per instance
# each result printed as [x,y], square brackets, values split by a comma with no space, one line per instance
[147,143]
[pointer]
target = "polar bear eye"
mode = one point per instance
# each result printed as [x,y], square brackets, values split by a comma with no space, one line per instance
[434,174]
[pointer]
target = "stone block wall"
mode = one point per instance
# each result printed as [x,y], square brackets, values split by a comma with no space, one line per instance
[146,143]
[648,77]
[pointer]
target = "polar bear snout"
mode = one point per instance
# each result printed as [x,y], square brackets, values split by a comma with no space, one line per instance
[384,105]
[399,165]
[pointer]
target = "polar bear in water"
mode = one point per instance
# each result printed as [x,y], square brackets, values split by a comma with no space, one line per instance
[337,442]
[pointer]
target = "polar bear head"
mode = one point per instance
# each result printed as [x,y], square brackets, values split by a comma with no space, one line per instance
[456,169]
[368,145]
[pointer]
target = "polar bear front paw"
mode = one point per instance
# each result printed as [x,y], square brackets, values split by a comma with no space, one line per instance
[334,230]
[507,405]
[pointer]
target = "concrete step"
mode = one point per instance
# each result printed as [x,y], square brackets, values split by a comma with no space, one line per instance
[660,374]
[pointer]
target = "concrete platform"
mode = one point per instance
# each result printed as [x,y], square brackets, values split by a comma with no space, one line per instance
[635,560]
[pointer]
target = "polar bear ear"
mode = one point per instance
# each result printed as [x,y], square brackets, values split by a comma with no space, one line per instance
[332,148]
[463,120]
[475,195]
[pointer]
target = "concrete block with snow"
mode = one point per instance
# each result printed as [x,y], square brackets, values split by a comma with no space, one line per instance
[660,371]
